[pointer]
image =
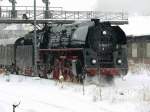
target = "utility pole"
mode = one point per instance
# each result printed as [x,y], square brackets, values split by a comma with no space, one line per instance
[47,8]
[0,11]
[13,11]
[35,42]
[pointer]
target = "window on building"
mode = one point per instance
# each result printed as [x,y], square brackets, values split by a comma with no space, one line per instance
[134,50]
[148,50]
[129,50]
[141,50]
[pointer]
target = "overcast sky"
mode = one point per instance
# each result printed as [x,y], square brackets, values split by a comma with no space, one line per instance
[134,6]
[66,4]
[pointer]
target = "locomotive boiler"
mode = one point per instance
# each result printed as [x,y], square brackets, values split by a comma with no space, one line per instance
[92,48]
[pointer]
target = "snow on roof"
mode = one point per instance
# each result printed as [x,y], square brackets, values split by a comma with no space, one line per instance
[138,25]
[8,41]
[27,27]
[9,37]
[11,33]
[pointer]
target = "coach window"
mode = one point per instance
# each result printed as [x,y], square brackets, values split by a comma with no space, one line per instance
[134,50]
[148,50]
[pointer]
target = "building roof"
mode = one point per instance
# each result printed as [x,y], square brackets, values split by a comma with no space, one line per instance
[8,41]
[138,26]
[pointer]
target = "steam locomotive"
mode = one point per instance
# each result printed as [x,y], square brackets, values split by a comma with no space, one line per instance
[92,48]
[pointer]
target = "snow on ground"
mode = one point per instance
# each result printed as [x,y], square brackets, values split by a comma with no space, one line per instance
[40,95]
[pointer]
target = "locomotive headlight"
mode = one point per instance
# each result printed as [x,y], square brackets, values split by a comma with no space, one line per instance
[93,61]
[119,61]
[104,32]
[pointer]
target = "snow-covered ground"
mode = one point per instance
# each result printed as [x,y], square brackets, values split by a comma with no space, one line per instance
[40,95]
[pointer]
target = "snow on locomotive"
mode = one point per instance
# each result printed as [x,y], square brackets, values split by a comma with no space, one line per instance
[91,48]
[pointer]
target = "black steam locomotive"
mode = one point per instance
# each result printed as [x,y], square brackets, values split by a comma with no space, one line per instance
[90,48]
